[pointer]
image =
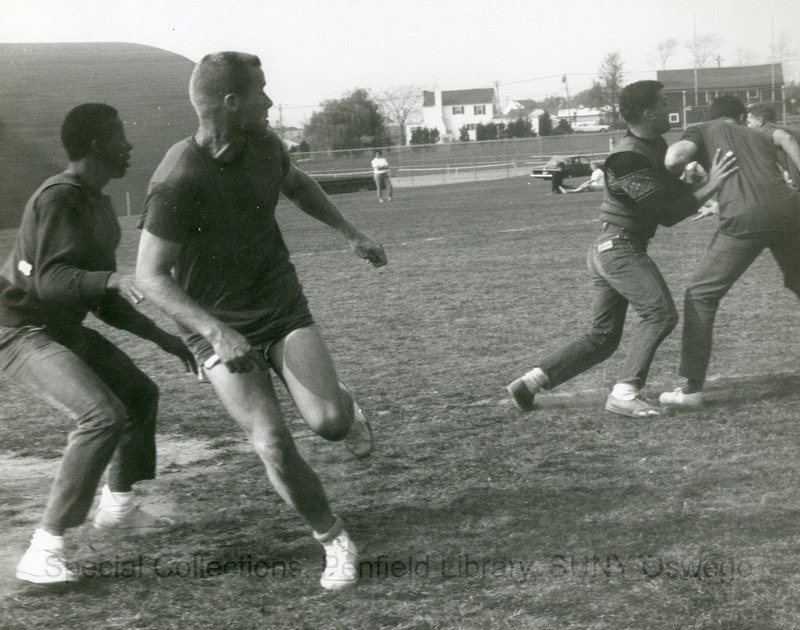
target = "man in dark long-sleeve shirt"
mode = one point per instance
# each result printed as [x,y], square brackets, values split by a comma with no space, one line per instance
[640,195]
[757,211]
[61,268]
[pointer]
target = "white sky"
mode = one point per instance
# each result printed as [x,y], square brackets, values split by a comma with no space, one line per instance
[314,50]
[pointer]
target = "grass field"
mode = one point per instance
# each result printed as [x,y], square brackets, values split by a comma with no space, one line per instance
[469,514]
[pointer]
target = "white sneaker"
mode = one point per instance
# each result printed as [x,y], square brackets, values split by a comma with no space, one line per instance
[43,562]
[359,440]
[136,520]
[341,564]
[636,408]
[117,511]
[679,398]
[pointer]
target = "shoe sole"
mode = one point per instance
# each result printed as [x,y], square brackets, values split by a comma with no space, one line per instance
[44,581]
[682,405]
[358,412]
[339,586]
[621,411]
[148,529]
[370,443]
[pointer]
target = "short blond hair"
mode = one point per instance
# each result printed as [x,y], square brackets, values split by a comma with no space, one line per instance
[219,74]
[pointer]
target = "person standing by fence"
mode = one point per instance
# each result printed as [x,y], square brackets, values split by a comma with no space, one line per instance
[380,171]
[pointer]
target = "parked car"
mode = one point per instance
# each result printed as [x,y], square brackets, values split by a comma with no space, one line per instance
[588,127]
[574,166]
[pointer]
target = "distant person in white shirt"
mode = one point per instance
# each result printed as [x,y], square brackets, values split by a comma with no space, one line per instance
[380,171]
[596,183]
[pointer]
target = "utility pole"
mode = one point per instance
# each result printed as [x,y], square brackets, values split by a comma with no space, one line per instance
[497,98]
[696,101]
[772,65]
[280,120]
[566,87]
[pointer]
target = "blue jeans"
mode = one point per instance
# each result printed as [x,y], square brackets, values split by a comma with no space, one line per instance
[725,260]
[622,274]
[113,403]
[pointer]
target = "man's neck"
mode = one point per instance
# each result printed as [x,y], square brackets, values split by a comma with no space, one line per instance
[89,174]
[222,145]
[646,132]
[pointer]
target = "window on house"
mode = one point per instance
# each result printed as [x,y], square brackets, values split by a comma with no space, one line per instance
[752,95]
[471,126]
[458,109]
[480,109]
[674,118]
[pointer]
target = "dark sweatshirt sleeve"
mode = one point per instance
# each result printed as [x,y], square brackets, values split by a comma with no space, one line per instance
[64,251]
[660,196]
[116,311]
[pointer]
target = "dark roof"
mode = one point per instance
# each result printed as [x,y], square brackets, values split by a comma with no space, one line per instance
[721,78]
[517,113]
[477,96]
[526,103]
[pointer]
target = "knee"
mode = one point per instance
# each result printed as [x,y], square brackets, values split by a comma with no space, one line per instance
[333,422]
[107,416]
[702,298]
[605,342]
[669,319]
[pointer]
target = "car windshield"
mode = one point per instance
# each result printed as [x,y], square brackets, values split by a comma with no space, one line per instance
[555,160]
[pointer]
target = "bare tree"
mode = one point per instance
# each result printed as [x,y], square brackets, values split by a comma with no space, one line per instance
[664,50]
[611,78]
[398,103]
[783,48]
[703,49]
[746,57]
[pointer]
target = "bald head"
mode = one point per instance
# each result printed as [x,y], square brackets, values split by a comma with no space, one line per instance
[219,74]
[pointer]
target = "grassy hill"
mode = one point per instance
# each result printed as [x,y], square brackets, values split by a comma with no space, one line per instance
[40,83]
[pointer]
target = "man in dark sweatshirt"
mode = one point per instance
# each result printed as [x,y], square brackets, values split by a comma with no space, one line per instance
[62,267]
[640,195]
[757,211]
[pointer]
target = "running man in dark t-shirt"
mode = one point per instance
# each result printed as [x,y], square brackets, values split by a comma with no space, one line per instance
[210,218]
[762,118]
[757,211]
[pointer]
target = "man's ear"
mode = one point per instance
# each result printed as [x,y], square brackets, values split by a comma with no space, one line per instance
[231,102]
[99,146]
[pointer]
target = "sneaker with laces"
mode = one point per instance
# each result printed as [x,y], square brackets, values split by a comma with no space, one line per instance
[521,394]
[135,520]
[636,408]
[359,440]
[43,563]
[679,398]
[341,563]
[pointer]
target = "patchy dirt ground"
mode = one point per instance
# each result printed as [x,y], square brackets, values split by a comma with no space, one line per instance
[26,483]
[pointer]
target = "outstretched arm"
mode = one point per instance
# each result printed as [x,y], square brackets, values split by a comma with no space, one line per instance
[307,195]
[154,265]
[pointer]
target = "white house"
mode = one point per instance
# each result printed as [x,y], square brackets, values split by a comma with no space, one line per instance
[450,110]
[525,109]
